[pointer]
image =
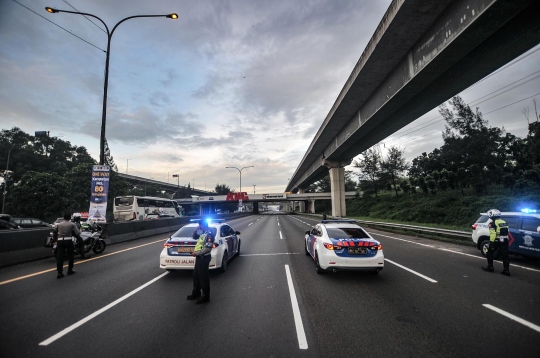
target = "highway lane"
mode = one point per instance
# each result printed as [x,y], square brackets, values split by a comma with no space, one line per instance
[395,313]
[250,314]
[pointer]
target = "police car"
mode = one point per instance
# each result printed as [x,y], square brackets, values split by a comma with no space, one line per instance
[336,245]
[523,233]
[176,253]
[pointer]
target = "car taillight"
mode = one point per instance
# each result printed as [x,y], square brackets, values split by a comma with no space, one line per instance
[332,247]
[474,226]
[214,246]
[168,244]
[376,247]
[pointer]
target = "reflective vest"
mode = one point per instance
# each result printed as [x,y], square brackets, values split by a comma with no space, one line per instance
[201,243]
[498,229]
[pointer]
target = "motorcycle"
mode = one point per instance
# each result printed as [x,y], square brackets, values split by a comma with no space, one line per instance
[91,237]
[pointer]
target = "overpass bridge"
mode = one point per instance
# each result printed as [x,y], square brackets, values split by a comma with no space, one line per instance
[170,188]
[207,202]
[422,53]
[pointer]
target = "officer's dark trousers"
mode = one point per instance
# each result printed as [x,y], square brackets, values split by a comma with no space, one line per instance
[503,252]
[61,247]
[80,243]
[201,277]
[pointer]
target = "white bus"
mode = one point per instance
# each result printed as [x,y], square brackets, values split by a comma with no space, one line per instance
[144,207]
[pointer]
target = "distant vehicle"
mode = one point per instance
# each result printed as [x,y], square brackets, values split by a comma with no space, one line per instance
[176,253]
[6,225]
[30,223]
[336,245]
[523,233]
[6,217]
[139,207]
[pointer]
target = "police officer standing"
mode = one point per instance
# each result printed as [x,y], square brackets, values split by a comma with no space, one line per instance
[63,234]
[201,277]
[498,239]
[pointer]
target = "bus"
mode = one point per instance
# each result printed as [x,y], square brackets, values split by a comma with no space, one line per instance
[144,207]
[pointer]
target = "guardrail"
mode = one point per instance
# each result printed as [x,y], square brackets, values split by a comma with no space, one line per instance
[452,233]
[18,246]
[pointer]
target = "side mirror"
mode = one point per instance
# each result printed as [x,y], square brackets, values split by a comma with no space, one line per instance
[237,232]
[308,232]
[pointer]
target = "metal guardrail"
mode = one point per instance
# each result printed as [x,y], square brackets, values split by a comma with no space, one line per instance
[454,233]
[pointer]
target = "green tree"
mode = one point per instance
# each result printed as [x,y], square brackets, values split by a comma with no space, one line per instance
[369,166]
[394,165]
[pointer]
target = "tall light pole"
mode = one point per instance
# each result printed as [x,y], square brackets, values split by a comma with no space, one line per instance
[177,177]
[5,182]
[173,16]
[240,171]
[127,165]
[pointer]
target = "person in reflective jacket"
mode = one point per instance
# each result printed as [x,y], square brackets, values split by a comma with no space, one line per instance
[80,241]
[201,277]
[498,239]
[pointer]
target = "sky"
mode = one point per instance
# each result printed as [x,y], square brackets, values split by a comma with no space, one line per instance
[235,83]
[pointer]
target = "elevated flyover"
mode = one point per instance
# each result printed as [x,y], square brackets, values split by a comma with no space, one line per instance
[422,53]
[168,187]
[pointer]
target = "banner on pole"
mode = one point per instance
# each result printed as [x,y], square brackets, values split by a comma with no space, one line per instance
[99,193]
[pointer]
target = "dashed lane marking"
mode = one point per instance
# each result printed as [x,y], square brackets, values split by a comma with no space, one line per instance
[412,271]
[512,317]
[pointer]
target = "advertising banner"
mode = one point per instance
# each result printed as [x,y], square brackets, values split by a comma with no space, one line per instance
[98,194]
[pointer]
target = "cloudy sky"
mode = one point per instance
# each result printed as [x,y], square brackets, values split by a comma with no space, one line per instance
[230,83]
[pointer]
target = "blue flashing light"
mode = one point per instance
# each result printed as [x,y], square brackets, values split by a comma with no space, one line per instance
[208,221]
[195,220]
[528,211]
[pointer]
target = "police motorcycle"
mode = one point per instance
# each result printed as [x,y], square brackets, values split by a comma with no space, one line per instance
[91,235]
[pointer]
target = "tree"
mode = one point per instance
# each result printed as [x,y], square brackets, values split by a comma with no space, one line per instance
[394,165]
[222,189]
[369,166]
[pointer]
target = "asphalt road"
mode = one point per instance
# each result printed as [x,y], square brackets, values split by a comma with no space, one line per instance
[431,300]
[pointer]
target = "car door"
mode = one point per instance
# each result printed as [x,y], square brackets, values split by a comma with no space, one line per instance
[234,238]
[527,237]
[312,240]
[225,233]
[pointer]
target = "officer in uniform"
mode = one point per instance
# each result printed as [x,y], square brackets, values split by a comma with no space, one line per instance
[63,234]
[201,277]
[498,239]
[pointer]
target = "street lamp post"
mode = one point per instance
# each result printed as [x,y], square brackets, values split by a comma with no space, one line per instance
[5,182]
[173,16]
[240,171]
[177,177]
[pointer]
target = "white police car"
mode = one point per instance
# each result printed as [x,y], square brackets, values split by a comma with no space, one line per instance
[523,234]
[176,253]
[337,245]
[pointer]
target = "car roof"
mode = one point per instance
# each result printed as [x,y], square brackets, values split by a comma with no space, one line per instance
[342,225]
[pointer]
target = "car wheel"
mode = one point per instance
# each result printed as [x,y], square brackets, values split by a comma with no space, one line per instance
[484,246]
[223,267]
[318,267]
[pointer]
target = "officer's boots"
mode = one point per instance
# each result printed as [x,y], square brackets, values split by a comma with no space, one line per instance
[488,268]
[506,272]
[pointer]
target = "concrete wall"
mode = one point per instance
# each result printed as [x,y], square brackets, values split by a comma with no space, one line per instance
[20,246]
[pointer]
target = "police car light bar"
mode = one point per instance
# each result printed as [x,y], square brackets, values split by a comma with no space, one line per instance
[194,220]
[219,221]
[338,221]
[528,211]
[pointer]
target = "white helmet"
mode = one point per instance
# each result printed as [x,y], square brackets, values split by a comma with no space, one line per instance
[493,213]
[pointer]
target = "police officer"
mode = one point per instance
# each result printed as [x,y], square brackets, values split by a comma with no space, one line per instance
[201,277]
[80,241]
[63,234]
[498,239]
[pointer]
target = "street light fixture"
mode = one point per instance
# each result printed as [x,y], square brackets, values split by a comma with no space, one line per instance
[240,171]
[173,16]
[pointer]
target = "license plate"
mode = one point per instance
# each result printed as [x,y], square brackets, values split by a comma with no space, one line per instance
[357,251]
[183,249]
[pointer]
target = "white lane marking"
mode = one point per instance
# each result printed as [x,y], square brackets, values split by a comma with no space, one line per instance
[408,269]
[97,313]
[302,341]
[278,253]
[280,236]
[455,252]
[512,317]
[250,224]
[277,224]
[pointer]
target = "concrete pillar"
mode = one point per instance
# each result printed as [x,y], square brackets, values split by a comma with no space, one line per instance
[311,206]
[301,204]
[337,191]
[255,207]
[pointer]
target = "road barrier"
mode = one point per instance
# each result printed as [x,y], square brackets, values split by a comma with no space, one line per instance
[18,246]
[461,235]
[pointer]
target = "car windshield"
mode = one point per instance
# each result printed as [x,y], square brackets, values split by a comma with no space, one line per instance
[346,233]
[482,219]
[187,231]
